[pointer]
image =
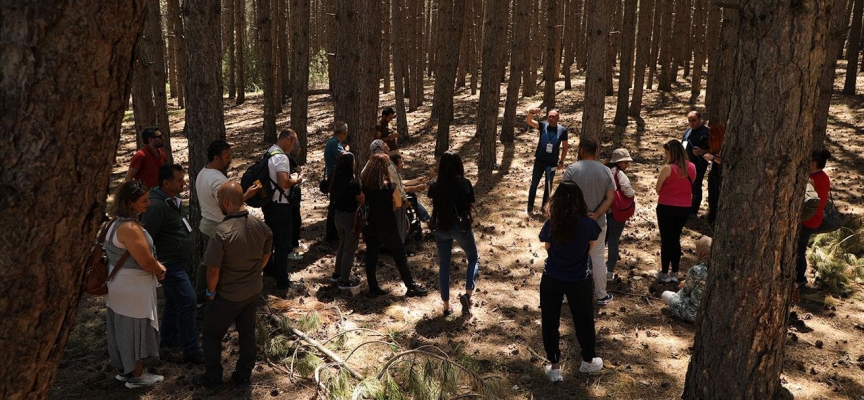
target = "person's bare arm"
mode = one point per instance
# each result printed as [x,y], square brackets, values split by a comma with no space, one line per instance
[529,118]
[130,174]
[664,173]
[564,148]
[607,202]
[212,280]
[130,235]
[252,191]
[285,181]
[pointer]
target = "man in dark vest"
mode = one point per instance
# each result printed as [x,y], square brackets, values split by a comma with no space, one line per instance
[550,154]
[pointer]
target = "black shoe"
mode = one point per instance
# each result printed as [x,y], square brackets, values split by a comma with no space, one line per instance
[196,358]
[375,292]
[415,290]
[240,383]
[466,304]
[206,383]
[335,277]
[351,284]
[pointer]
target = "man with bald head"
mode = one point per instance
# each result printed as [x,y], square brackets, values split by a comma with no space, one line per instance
[235,257]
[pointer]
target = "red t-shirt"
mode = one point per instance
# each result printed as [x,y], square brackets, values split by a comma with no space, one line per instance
[822,185]
[147,163]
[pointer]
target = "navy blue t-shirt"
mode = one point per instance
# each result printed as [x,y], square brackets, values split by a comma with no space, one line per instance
[569,261]
[551,135]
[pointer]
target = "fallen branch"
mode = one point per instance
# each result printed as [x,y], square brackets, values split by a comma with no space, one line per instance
[314,343]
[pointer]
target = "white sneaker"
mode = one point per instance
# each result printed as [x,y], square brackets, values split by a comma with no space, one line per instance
[123,377]
[146,379]
[663,277]
[295,256]
[553,374]
[595,365]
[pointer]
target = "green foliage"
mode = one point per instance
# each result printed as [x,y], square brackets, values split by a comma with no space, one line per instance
[339,385]
[308,323]
[833,260]
[392,391]
[850,237]
[307,363]
[318,69]
[277,347]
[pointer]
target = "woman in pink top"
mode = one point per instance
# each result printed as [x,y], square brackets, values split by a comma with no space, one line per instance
[822,184]
[675,187]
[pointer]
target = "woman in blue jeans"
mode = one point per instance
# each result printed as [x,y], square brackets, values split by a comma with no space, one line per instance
[452,198]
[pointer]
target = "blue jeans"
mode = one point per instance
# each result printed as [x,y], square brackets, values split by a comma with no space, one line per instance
[613,236]
[348,241]
[279,218]
[801,262]
[178,316]
[444,241]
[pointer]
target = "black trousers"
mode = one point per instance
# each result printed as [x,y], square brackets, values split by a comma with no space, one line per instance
[220,314]
[374,239]
[296,223]
[279,218]
[701,167]
[536,174]
[715,180]
[671,221]
[580,298]
[331,234]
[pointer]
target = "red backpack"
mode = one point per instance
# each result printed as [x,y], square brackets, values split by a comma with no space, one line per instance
[623,207]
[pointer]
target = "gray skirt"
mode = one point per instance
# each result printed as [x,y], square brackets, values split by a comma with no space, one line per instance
[130,340]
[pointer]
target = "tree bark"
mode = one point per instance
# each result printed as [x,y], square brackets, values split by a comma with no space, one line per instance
[719,94]
[285,78]
[837,29]
[598,14]
[698,47]
[628,37]
[240,29]
[681,33]
[572,34]
[177,32]
[494,51]
[612,50]
[265,57]
[852,49]
[655,42]
[386,45]
[300,14]
[229,41]
[205,121]
[158,78]
[552,18]
[740,334]
[529,76]
[518,59]
[61,107]
[355,91]
[664,79]
[400,26]
[643,54]
[451,14]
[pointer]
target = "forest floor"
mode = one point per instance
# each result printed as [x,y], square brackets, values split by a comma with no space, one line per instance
[645,353]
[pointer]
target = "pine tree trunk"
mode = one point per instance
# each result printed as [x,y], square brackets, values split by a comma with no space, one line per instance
[143,107]
[205,120]
[719,94]
[643,53]
[265,57]
[518,58]
[551,17]
[476,43]
[158,78]
[451,14]
[177,32]
[61,136]
[837,30]
[275,11]
[386,44]
[355,91]
[612,49]
[240,29]
[229,41]
[698,47]
[852,49]
[664,79]
[284,50]
[599,13]
[529,76]
[687,46]
[628,37]
[465,50]
[656,36]
[680,32]
[172,60]
[573,10]
[399,28]
[300,15]
[494,51]
[738,350]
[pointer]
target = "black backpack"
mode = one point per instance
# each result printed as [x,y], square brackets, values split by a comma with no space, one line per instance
[260,173]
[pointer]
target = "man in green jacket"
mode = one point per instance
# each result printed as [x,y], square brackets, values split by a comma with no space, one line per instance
[172,237]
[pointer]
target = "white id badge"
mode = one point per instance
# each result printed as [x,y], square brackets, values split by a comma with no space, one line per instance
[185,222]
[549,147]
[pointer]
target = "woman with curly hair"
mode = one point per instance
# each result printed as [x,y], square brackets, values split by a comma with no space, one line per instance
[452,198]
[568,236]
[382,198]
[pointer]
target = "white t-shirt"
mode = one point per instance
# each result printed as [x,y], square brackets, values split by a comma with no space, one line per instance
[206,185]
[278,163]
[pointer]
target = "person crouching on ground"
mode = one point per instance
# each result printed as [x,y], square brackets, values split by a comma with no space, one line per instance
[235,257]
[685,302]
[568,236]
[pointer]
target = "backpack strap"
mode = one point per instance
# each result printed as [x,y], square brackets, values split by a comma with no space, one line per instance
[615,176]
[267,156]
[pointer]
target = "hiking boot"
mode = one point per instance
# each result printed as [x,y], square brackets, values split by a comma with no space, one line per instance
[146,379]
[554,375]
[595,365]
[466,304]
[605,300]
[205,382]
[240,383]
[415,290]
[663,277]
[351,284]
